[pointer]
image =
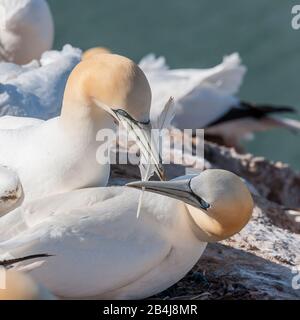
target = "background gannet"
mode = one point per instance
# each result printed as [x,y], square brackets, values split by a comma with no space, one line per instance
[59,155]
[20,286]
[11,191]
[36,90]
[205,99]
[101,250]
[26,30]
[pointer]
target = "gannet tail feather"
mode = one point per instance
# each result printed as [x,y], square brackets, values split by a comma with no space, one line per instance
[249,110]
[265,109]
[290,124]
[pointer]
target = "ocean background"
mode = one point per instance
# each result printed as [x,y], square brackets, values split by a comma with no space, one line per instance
[198,33]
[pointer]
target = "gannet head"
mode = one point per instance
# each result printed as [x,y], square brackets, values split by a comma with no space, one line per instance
[19,286]
[108,79]
[90,53]
[218,201]
[110,86]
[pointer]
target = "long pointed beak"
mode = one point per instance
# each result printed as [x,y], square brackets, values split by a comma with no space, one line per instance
[142,134]
[177,189]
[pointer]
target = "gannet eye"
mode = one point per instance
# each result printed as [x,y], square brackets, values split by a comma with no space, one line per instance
[202,203]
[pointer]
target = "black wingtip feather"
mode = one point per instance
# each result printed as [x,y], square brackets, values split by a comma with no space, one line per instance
[248,110]
[7,263]
[268,108]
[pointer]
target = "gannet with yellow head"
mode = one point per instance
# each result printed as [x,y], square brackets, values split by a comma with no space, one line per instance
[99,249]
[216,214]
[206,99]
[111,79]
[59,155]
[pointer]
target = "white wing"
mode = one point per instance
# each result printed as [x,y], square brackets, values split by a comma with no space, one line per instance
[97,243]
[11,71]
[200,108]
[38,92]
[228,76]
[13,123]
[201,95]
[152,63]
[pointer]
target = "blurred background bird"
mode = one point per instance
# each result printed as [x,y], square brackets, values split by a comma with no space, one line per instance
[197,34]
[26,30]
[206,99]
[207,32]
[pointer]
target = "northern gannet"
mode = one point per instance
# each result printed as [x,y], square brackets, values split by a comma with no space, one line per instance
[26,30]
[36,90]
[59,155]
[99,249]
[20,286]
[206,99]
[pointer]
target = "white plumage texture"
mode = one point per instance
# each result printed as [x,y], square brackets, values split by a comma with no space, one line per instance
[100,249]
[91,245]
[26,30]
[201,95]
[36,90]
[206,99]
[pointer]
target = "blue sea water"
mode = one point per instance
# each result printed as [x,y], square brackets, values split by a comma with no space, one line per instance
[198,33]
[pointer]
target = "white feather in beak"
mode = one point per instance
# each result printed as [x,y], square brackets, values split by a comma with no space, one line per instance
[162,122]
[151,161]
[141,133]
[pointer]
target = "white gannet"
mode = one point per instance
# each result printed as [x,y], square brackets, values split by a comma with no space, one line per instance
[97,248]
[59,155]
[36,90]
[26,30]
[20,286]
[205,99]
[225,78]
[11,191]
